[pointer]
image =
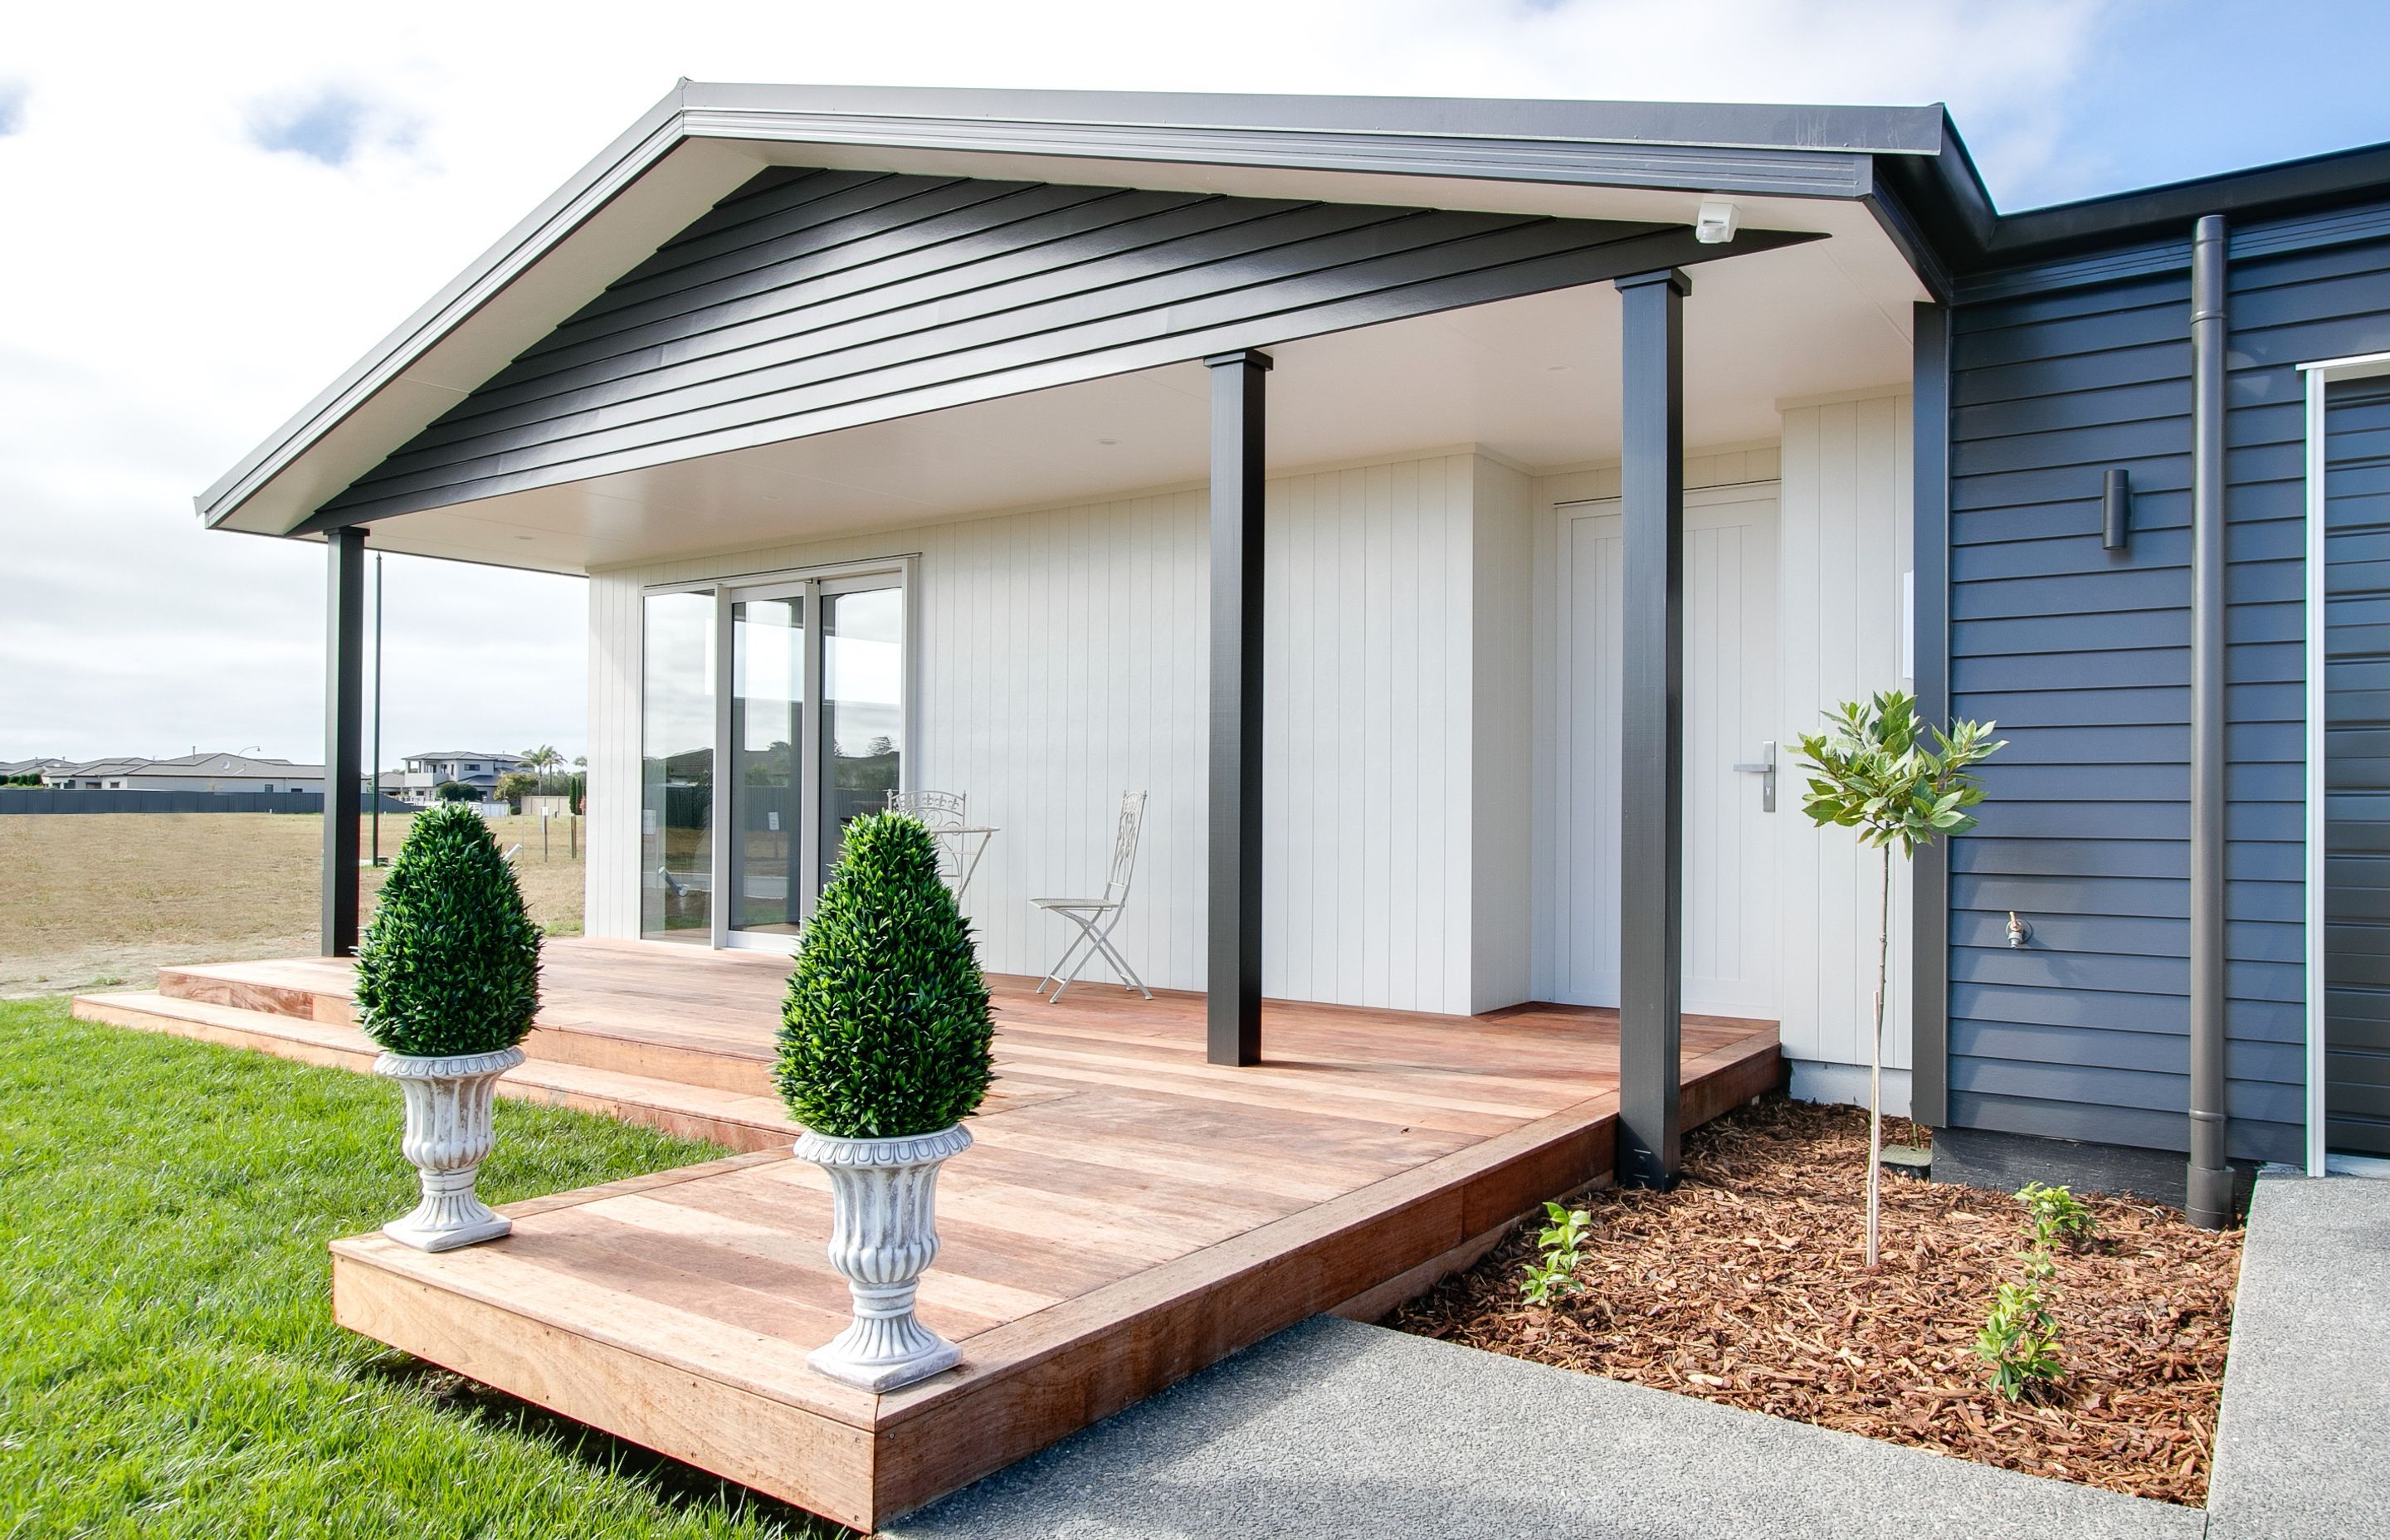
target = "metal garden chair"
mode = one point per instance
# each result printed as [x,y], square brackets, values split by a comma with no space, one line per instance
[959,845]
[1096,917]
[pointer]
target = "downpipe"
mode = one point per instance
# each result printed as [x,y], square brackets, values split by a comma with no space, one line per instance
[2208,1190]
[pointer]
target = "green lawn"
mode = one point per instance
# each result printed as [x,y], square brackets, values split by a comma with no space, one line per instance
[167,1361]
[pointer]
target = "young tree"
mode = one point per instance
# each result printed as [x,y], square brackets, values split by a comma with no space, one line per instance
[1872,773]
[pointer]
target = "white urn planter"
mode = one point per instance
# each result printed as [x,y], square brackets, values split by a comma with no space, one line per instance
[883,1236]
[449,1130]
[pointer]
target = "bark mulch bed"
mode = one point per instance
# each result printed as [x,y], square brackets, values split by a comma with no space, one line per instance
[1745,1286]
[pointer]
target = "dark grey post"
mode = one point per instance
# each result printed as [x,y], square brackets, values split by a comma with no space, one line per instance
[1929,990]
[343,733]
[2209,1195]
[1652,738]
[1233,976]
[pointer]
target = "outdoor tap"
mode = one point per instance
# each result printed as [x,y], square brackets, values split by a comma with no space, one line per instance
[2019,931]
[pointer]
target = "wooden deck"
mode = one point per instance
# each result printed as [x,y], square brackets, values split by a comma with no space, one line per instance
[1128,1215]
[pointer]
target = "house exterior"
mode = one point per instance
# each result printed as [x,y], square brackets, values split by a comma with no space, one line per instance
[192,772]
[423,775]
[30,770]
[1449,513]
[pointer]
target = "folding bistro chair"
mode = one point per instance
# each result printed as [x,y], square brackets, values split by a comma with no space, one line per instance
[943,814]
[1096,917]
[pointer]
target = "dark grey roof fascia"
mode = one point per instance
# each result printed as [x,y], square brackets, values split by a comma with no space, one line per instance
[2285,188]
[1724,148]
[1946,198]
[1719,125]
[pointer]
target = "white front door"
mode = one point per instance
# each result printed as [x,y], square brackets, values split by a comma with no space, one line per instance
[1730,692]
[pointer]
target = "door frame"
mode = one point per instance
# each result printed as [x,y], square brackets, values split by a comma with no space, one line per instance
[2321,374]
[728,588]
[1557,513]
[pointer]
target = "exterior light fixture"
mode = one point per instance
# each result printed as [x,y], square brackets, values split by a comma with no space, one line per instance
[1715,225]
[2115,510]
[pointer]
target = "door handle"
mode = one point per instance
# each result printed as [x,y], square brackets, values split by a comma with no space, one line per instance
[1765,771]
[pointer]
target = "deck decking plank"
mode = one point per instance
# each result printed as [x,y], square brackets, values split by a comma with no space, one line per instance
[1127,1215]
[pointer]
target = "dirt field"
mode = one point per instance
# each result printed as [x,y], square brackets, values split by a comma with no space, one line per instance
[103,900]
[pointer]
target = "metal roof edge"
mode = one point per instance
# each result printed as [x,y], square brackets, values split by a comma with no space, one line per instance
[655,133]
[1736,125]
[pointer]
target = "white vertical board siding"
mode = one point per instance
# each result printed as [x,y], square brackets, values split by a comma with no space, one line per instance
[611,877]
[1064,658]
[1367,692]
[1845,544]
[1501,737]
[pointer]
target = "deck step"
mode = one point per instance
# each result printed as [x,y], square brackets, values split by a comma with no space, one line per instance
[742,1074]
[309,992]
[235,1026]
[738,1119]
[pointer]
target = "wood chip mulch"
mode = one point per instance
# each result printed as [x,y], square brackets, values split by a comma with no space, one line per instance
[1745,1286]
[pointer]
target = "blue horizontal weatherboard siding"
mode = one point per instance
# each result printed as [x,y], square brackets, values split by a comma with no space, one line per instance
[2082,656]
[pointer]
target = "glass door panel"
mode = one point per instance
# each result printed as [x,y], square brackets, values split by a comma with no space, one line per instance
[861,708]
[676,768]
[766,730]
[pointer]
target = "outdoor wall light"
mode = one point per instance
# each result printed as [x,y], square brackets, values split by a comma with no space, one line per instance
[1715,223]
[2115,510]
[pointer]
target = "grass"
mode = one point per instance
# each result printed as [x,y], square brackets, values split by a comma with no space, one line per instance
[102,900]
[167,1361]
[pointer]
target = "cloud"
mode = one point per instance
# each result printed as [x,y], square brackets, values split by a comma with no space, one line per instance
[330,126]
[184,315]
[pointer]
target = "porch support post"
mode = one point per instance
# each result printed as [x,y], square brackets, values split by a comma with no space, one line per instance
[1233,972]
[1651,941]
[344,717]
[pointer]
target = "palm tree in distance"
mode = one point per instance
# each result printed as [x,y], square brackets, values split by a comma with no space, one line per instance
[543,759]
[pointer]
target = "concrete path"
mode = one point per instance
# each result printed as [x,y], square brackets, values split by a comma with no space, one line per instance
[1333,1429]
[2304,1444]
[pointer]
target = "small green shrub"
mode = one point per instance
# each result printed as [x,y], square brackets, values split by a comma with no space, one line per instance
[1562,1245]
[886,1032]
[456,791]
[450,964]
[2020,1342]
[2057,1215]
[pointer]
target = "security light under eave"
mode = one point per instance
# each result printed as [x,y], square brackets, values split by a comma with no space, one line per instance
[1715,224]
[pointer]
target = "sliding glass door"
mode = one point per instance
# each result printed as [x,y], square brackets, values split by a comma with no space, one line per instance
[796,687]
[862,732]
[767,722]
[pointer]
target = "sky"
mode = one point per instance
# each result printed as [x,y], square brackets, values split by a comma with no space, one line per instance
[212,211]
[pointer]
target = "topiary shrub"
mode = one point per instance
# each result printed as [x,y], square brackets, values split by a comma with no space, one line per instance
[450,964]
[886,1032]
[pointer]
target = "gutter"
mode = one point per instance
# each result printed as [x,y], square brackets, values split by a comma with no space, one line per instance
[2208,1188]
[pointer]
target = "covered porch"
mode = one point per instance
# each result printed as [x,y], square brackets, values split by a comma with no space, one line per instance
[1326,483]
[1128,1215]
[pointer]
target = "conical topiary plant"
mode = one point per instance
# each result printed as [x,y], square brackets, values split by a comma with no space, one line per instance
[450,964]
[886,1032]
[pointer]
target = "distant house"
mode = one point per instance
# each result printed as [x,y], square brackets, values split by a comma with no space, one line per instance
[17,769]
[480,769]
[193,772]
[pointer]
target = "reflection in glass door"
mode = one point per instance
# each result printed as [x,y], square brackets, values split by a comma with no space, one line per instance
[767,697]
[862,707]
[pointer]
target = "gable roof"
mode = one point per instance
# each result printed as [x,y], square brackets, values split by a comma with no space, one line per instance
[1906,165]
[702,142]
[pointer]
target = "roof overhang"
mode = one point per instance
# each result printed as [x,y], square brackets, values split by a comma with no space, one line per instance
[1793,168]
